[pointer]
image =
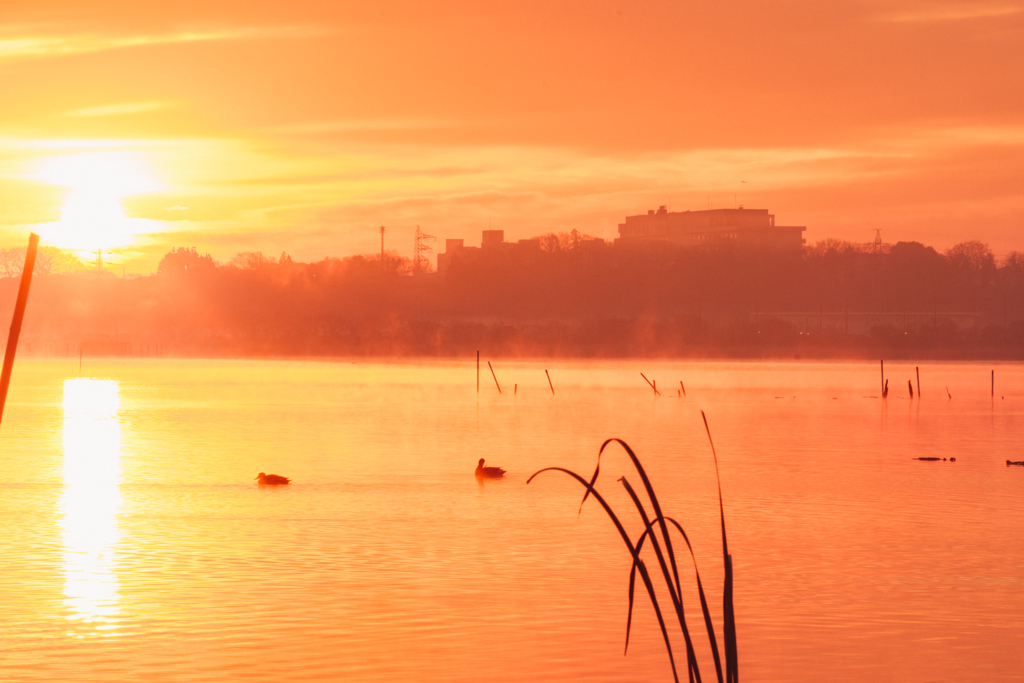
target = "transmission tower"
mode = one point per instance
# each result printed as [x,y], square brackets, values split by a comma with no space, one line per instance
[876,246]
[420,262]
[382,231]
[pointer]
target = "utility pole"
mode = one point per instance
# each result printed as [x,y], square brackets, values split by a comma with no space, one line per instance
[382,231]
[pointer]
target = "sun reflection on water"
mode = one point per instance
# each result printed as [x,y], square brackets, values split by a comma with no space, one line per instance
[89,505]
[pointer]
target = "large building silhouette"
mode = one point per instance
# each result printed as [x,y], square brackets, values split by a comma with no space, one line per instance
[744,227]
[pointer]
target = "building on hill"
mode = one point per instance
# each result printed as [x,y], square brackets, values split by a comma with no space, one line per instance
[743,227]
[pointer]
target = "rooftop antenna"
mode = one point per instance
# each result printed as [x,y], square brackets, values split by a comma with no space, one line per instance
[420,262]
[876,246]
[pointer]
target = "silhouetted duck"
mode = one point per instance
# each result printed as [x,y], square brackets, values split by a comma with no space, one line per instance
[271,479]
[1014,462]
[489,472]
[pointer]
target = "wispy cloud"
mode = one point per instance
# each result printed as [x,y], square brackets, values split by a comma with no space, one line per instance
[364,125]
[116,109]
[946,12]
[40,44]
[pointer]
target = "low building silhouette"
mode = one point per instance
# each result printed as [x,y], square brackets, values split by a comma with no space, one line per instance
[492,243]
[743,227]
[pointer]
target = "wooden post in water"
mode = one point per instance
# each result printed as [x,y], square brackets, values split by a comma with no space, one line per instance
[656,392]
[917,371]
[683,388]
[882,362]
[993,380]
[494,376]
[478,372]
[910,387]
[19,315]
[549,381]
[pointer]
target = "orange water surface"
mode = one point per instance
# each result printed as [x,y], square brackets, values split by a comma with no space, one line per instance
[138,546]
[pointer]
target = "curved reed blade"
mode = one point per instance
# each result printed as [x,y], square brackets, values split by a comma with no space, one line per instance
[632,582]
[661,620]
[593,480]
[632,551]
[703,603]
[677,598]
[629,613]
[729,618]
[654,503]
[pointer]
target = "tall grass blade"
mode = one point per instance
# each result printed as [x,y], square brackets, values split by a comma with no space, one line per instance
[729,626]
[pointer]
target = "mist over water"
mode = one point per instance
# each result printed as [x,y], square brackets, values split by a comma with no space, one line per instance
[138,544]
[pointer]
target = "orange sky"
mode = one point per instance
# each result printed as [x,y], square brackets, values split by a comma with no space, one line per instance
[302,126]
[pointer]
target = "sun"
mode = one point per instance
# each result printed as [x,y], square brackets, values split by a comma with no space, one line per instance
[92,217]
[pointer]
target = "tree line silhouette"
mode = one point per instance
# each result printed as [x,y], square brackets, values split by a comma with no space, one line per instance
[572,296]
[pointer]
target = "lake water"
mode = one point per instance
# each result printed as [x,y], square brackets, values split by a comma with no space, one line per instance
[138,546]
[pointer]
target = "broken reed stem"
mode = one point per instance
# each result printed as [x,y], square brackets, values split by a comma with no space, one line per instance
[494,376]
[651,384]
[917,371]
[549,382]
[19,315]
[683,388]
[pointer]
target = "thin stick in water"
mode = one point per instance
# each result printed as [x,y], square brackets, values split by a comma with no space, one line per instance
[910,387]
[19,315]
[882,365]
[683,388]
[917,371]
[656,392]
[478,372]
[993,384]
[494,376]
[549,381]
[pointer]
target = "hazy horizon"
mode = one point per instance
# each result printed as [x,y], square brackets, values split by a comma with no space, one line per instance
[305,126]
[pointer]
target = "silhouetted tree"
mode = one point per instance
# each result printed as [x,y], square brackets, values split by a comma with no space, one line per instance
[182,260]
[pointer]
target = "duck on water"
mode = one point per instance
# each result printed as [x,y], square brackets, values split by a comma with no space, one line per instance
[488,472]
[271,479]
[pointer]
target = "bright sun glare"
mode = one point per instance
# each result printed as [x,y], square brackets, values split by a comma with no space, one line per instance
[92,216]
[90,505]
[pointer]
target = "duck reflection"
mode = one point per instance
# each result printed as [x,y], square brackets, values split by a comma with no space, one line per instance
[89,505]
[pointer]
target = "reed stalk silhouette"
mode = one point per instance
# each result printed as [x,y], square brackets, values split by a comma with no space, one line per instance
[656,533]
